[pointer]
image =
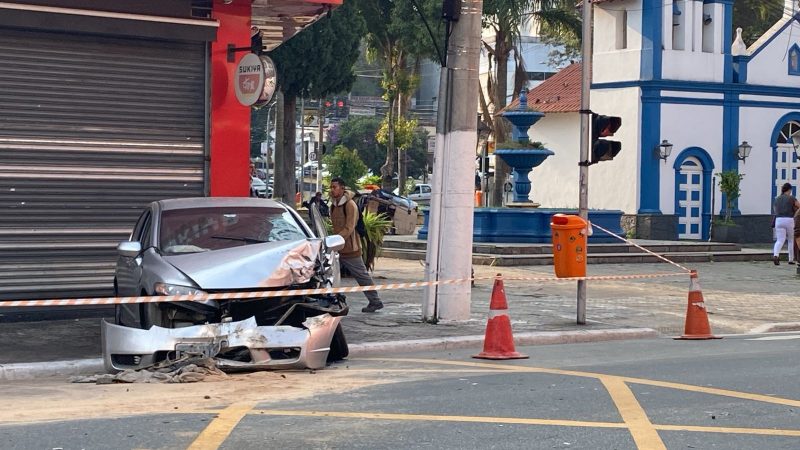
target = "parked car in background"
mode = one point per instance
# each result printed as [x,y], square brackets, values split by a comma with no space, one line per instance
[421,194]
[258,188]
[198,246]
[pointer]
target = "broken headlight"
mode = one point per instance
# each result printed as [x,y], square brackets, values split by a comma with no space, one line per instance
[174,289]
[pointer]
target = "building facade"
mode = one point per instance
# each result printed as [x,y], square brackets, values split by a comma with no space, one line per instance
[673,72]
[107,106]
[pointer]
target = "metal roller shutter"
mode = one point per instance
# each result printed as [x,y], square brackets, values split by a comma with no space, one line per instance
[91,129]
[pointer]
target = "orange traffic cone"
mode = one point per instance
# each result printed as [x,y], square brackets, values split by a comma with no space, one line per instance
[697,326]
[498,343]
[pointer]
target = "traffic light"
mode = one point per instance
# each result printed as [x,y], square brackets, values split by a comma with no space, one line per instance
[341,110]
[604,126]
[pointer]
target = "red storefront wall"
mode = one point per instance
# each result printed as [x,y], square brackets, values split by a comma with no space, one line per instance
[230,120]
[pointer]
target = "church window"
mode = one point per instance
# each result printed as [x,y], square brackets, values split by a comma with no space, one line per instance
[794,60]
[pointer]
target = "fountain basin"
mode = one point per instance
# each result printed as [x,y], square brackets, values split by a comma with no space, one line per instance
[522,225]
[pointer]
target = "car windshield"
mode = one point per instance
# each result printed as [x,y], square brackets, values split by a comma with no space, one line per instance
[203,229]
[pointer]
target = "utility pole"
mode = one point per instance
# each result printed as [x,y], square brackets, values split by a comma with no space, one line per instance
[302,147]
[586,139]
[450,222]
[321,122]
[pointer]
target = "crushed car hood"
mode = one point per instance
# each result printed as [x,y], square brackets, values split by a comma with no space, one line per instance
[271,264]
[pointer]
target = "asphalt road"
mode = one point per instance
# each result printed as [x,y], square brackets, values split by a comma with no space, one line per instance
[735,393]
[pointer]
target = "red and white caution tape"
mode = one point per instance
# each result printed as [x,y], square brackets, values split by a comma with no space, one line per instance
[642,248]
[299,292]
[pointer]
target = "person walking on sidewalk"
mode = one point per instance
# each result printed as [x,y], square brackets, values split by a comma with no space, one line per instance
[784,208]
[344,216]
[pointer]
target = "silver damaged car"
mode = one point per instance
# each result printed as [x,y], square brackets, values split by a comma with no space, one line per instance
[226,245]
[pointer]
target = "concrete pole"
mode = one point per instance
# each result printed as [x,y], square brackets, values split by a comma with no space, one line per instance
[450,222]
[321,122]
[586,138]
[302,148]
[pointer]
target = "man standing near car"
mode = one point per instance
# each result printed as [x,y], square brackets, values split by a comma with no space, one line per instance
[344,216]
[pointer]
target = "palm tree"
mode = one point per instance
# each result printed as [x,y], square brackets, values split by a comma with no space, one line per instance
[398,39]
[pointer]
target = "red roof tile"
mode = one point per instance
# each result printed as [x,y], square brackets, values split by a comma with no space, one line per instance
[559,93]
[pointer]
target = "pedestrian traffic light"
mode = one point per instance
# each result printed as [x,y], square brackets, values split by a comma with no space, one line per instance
[604,126]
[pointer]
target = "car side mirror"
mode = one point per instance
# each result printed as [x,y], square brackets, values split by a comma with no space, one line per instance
[131,249]
[334,242]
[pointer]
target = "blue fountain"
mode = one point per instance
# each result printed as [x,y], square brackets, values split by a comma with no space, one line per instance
[524,157]
[522,221]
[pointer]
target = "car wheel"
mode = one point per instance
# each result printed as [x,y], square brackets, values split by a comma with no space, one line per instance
[339,349]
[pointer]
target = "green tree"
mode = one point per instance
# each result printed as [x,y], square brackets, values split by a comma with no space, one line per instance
[316,62]
[359,133]
[397,38]
[755,17]
[403,138]
[346,164]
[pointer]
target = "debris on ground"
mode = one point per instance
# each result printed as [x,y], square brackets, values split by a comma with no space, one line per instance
[190,369]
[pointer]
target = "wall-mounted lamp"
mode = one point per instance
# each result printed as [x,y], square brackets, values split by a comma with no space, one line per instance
[743,151]
[706,19]
[663,150]
[796,144]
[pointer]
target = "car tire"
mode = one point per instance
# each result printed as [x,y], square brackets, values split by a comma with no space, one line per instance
[339,349]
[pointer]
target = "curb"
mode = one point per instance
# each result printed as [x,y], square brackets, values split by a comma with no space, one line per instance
[775,328]
[530,338]
[28,371]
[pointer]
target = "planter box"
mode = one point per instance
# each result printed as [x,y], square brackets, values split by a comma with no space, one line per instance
[726,233]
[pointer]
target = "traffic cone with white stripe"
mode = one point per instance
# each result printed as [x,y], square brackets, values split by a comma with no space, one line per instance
[697,326]
[498,343]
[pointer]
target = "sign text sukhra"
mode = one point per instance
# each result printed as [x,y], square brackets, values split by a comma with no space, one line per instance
[250,69]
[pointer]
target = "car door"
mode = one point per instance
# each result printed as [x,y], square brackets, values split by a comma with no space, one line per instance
[330,258]
[425,192]
[129,270]
[415,193]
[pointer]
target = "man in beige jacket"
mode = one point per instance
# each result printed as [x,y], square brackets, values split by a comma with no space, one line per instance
[344,216]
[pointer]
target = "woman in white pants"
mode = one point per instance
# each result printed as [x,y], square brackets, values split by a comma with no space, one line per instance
[784,207]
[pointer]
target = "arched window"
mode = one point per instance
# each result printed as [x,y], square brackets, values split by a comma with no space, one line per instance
[794,60]
[787,131]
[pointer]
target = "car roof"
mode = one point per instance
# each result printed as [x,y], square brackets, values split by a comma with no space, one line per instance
[211,202]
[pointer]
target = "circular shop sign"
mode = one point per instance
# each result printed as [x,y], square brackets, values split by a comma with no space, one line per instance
[270,81]
[249,79]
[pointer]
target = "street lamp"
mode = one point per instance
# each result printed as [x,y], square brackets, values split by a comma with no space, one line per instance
[663,150]
[743,151]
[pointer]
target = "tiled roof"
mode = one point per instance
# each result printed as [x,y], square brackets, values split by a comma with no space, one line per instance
[559,93]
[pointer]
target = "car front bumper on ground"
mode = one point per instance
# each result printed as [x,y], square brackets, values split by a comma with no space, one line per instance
[235,345]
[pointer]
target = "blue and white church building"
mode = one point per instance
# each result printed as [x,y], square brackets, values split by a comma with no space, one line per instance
[675,71]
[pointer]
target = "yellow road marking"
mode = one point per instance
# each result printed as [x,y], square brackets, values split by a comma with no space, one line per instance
[758,431]
[439,418]
[508,420]
[644,381]
[220,428]
[642,431]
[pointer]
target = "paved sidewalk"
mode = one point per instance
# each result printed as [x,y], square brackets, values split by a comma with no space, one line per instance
[740,296]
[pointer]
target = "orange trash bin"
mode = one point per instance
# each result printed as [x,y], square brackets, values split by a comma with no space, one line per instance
[569,245]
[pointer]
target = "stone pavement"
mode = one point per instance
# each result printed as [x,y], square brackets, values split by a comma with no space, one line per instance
[740,296]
